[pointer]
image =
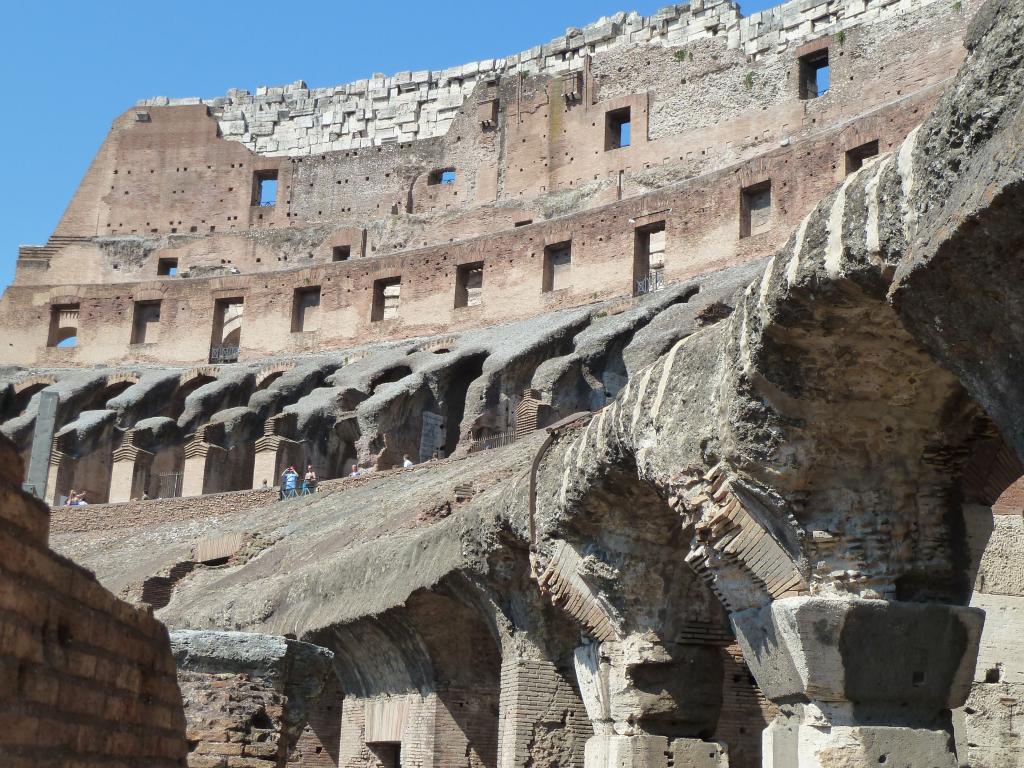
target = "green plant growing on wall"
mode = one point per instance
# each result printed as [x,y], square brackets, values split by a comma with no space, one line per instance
[680,55]
[841,37]
[749,81]
[957,6]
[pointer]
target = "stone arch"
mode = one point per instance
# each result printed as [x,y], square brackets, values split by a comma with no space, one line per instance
[616,566]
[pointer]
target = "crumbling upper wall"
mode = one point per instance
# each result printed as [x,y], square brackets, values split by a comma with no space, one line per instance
[297,120]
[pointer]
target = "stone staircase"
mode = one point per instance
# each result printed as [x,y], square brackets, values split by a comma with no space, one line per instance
[44,253]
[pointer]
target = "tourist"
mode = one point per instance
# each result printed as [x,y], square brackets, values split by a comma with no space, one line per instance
[265,486]
[81,500]
[289,480]
[309,481]
[72,499]
[406,461]
[355,471]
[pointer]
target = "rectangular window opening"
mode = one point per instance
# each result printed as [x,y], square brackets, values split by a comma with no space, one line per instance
[146,323]
[557,266]
[756,209]
[469,284]
[264,188]
[167,268]
[815,75]
[387,293]
[618,129]
[441,176]
[648,258]
[388,754]
[63,326]
[227,330]
[341,252]
[306,309]
[856,157]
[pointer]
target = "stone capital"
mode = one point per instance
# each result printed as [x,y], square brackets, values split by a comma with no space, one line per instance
[917,657]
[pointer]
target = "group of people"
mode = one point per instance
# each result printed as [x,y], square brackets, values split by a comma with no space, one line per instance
[290,479]
[290,482]
[358,471]
[76,499]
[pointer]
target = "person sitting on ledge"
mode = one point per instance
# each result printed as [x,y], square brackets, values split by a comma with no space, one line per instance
[264,486]
[406,461]
[81,500]
[72,499]
[355,471]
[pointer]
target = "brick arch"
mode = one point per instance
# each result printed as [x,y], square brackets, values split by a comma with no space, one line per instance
[268,374]
[15,400]
[202,371]
[121,378]
[33,381]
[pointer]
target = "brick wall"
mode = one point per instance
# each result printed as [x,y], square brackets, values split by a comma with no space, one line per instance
[702,234]
[543,720]
[745,711]
[133,514]
[234,721]
[318,745]
[84,677]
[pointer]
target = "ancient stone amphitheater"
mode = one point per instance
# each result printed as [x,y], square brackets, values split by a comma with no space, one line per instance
[664,384]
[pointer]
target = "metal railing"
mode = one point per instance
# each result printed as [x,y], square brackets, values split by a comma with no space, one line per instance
[224,354]
[493,441]
[169,485]
[652,281]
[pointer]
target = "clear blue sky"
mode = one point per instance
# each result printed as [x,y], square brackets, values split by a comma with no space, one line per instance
[70,67]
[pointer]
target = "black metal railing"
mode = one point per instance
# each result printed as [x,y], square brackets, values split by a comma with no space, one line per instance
[223,354]
[652,281]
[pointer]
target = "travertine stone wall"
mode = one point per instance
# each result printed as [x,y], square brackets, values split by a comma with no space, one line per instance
[988,726]
[85,679]
[298,120]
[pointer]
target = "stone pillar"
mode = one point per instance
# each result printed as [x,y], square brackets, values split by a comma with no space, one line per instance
[60,466]
[860,683]
[618,708]
[130,472]
[273,452]
[203,461]
[36,482]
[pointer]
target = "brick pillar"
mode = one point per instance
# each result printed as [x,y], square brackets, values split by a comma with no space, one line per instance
[203,462]
[538,709]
